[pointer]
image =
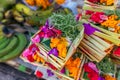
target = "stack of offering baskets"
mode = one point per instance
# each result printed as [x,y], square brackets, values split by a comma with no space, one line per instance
[55,43]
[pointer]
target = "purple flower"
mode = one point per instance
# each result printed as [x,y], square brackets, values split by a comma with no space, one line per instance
[63,70]
[50,73]
[101,78]
[89,30]
[53,51]
[48,30]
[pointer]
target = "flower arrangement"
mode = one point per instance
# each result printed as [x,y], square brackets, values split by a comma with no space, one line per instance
[103,2]
[42,3]
[100,5]
[73,68]
[99,71]
[58,39]
[96,43]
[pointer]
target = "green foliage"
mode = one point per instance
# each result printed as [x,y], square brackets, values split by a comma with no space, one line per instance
[106,66]
[108,12]
[118,13]
[66,23]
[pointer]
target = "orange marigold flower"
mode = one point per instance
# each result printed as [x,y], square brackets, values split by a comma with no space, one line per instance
[60,1]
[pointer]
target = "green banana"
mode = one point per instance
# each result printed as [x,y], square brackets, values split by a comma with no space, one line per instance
[22,8]
[17,16]
[4,44]
[18,50]
[3,39]
[1,36]
[1,15]
[10,47]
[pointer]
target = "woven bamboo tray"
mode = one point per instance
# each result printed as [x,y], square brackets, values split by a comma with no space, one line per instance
[57,61]
[96,7]
[80,72]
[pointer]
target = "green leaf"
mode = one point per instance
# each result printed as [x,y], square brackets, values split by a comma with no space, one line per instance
[118,12]
[108,12]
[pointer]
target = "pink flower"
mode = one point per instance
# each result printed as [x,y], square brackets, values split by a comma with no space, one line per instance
[36,39]
[26,52]
[93,66]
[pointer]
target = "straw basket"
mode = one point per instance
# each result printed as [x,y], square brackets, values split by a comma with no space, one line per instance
[98,7]
[57,61]
[80,72]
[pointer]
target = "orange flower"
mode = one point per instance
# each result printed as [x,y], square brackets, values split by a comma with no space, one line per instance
[37,58]
[107,2]
[73,66]
[61,45]
[112,22]
[43,3]
[60,1]
[108,77]
[30,2]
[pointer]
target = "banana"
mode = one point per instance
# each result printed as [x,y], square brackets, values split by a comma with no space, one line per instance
[22,8]
[4,44]
[3,39]
[8,14]
[1,15]
[17,16]
[18,50]
[9,47]
[19,19]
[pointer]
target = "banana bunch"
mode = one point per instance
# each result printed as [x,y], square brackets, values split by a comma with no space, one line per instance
[12,47]
[12,16]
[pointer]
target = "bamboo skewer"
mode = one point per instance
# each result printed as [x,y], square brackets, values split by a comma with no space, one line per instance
[92,51]
[52,56]
[80,67]
[48,58]
[98,45]
[94,47]
[101,41]
[89,54]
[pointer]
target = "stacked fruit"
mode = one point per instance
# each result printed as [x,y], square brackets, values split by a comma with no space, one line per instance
[11,47]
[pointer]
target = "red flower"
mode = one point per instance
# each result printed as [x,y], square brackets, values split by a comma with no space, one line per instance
[92,75]
[87,68]
[39,74]
[117,52]
[96,17]
[51,66]
[30,58]
[94,1]
[88,12]
[41,34]
[58,32]
[33,48]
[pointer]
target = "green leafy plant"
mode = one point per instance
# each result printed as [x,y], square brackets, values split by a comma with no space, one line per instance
[66,23]
[106,66]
